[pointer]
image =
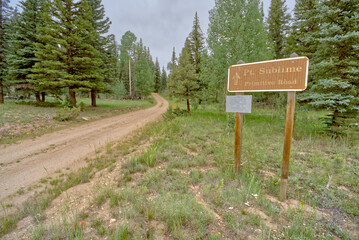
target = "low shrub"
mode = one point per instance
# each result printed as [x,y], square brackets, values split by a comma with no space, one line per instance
[67,114]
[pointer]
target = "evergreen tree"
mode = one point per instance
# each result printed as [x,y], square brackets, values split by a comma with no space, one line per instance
[144,72]
[4,15]
[278,21]
[67,58]
[336,62]
[183,81]
[10,31]
[236,32]
[112,60]
[196,40]
[196,44]
[163,79]
[22,45]
[144,83]
[101,24]
[299,40]
[171,65]
[304,25]
[157,76]
[207,76]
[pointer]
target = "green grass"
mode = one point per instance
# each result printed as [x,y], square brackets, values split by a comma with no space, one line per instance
[183,186]
[20,120]
[197,150]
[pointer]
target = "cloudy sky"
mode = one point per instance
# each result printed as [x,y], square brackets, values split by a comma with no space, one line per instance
[162,24]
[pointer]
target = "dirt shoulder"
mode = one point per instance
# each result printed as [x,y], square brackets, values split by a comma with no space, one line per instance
[25,164]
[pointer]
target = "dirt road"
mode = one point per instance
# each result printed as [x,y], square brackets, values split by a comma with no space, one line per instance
[24,164]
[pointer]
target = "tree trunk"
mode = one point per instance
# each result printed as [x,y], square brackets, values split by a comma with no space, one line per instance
[188,106]
[1,93]
[1,51]
[37,96]
[72,97]
[335,122]
[93,98]
[43,94]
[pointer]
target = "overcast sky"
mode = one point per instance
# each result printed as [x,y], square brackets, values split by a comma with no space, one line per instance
[162,24]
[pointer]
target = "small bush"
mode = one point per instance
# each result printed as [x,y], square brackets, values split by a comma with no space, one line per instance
[173,113]
[67,114]
[82,106]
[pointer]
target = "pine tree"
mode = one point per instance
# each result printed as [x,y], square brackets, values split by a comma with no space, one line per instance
[112,60]
[67,58]
[101,24]
[163,79]
[278,21]
[144,83]
[183,81]
[196,40]
[22,46]
[196,45]
[303,25]
[336,62]
[4,15]
[171,65]
[10,31]
[157,76]
[207,76]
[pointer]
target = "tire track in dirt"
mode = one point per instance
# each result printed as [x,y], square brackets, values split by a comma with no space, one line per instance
[26,163]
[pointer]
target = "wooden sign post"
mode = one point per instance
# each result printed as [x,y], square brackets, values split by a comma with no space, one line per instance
[287,144]
[238,130]
[288,75]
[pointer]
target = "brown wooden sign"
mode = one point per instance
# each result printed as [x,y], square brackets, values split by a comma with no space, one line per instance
[289,74]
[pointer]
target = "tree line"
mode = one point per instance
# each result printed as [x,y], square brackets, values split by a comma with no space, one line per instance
[139,74]
[327,32]
[62,47]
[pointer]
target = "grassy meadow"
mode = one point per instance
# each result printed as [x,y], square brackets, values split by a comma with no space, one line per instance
[174,180]
[23,119]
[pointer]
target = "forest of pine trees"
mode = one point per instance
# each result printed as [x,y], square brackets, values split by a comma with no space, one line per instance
[62,48]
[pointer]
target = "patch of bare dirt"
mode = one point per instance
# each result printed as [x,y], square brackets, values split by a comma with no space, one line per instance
[23,165]
[267,220]
[347,191]
[295,204]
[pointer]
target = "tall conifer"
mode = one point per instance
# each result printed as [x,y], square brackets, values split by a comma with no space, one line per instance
[4,15]
[22,44]
[112,60]
[67,57]
[304,24]
[101,24]
[163,79]
[196,40]
[144,83]
[336,62]
[157,76]
[183,81]
[171,65]
[278,22]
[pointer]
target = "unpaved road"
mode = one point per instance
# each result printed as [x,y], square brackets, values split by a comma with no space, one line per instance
[24,164]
